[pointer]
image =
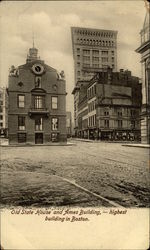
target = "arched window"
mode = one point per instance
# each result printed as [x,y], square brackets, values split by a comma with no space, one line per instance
[38,98]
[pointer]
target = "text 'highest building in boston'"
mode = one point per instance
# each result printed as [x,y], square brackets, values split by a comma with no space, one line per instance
[37,103]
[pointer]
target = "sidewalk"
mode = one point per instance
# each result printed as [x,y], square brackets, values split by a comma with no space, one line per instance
[5,143]
[123,143]
[139,145]
[84,140]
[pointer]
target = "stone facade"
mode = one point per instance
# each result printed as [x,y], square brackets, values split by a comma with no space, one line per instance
[144,50]
[109,106]
[37,103]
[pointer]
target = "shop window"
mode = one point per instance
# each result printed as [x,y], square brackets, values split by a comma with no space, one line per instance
[54,102]
[54,124]
[21,101]
[21,123]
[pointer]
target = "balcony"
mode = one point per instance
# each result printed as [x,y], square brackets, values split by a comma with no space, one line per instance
[38,111]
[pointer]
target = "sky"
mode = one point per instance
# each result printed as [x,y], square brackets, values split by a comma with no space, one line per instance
[51,22]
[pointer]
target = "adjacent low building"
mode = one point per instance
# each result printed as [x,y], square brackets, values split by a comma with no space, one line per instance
[37,103]
[109,106]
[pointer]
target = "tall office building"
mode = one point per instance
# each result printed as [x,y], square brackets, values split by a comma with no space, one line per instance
[93,50]
[144,50]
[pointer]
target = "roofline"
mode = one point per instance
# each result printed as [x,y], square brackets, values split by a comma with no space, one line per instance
[92,29]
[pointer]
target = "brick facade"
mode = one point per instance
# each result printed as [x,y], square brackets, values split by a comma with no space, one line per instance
[31,89]
[109,106]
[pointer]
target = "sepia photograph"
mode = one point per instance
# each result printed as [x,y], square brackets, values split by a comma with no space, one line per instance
[75,124]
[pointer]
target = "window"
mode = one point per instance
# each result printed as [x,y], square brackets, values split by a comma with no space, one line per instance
[1,117]
[78,57]
[106,123]
[39,124]
[21,101]
[132,124]
[78,73]
[132,112]
[78,64]
[39,102]
[95,59]
[21,137]
[95,120]
[86,59]
[54,124]
[119,123]
[106,113]
[94,89]
[21,123]
[86,52]
[54,102]
[86,64]
[78,50]
[104,59]
[96,52]
[112,52]
[55,137]
[120,113]
[105,53]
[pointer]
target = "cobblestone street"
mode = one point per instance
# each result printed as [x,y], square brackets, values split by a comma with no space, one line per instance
[44,175]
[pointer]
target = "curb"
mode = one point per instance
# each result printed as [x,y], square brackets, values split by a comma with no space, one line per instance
[136,146]
[37,145]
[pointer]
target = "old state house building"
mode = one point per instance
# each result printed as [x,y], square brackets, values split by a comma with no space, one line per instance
[37,103]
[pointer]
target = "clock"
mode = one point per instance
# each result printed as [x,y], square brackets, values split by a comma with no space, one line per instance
[38,69]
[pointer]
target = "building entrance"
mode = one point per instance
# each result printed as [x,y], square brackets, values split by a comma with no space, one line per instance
[39,138]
